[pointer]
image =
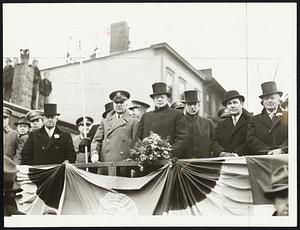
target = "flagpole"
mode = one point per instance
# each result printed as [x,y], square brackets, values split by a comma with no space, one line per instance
[83,102]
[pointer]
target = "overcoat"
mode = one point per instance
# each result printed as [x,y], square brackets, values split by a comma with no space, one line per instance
[167,123]
[11,142]
[263,135]
[200,133]
[114,137]
[39,149]
[229,138]
[45,87]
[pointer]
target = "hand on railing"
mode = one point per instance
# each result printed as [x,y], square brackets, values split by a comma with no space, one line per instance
[94,158]
[227,154]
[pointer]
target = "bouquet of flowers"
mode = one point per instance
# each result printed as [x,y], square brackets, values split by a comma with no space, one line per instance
[151,149]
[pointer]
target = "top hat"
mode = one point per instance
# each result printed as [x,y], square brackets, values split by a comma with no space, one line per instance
[23,121]
[50,110]
[10,174]
[7,112]
[119,95]
[279,181]
[191,96]
[231,94]
[89,120]
[139,104]
[269,88]
[177,105]
[108,107]
[159,88]
[223,113]
[34,114]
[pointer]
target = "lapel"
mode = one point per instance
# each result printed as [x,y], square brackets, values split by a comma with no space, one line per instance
[277,120]
[240,123]
[116,123]
[266,119]
[228,124]
[52,140]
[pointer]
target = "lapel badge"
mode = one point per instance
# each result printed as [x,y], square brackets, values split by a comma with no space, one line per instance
[56,136]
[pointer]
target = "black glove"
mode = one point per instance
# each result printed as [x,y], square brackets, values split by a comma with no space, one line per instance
[85,142]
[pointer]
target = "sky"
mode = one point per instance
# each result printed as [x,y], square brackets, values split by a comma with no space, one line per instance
[244,44]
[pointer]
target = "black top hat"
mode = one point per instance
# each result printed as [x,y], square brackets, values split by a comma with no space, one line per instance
[23,121]
[231,94]
[177,105]
[159,88]
[191,96]
[50,110]
[89,120]
[269,88]
[34,114]
[7,112]
[119,95]
[139,104]
[279,181]
[108,107]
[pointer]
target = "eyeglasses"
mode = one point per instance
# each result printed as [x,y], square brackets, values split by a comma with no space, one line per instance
[119,102]
[87,124]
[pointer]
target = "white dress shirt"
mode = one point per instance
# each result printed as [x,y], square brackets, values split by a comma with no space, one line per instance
[237,117]
[49,131]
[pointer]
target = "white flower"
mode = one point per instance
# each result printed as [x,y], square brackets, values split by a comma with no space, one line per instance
[56,136]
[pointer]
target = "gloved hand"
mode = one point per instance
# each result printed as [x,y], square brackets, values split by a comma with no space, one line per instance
[85,142]
[227,154]
[94,157]
[275,152]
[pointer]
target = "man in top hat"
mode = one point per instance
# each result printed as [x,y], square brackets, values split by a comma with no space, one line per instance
[230,135]
[164,121]
[138,108]
[278,191]
[35,117]
[177,105]
[12,144]
[116,134]
[49,144]
[23,126]
[200,129]
[8,77]
[80,149]
[10,187]
[268,131]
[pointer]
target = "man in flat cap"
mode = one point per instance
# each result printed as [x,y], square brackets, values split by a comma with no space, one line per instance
[49,144]
[268,131]
[278,191]
[8,77]
[138,108]
[177,105]
[200,129]
[35,117]
[83,128]
[23,126]
[116,134]
[11,141]
[230,134]
[164,121]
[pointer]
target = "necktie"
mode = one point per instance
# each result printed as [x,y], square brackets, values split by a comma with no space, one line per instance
[234,121]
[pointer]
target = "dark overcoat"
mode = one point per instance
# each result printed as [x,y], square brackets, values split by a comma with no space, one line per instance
[263,135]
[39,149]
[167,123]
[229,138]
[11,143]
[45,87]
[200,133]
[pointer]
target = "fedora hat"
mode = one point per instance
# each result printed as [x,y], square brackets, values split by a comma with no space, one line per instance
[34,114]
[177,105]
[119,95]
[231,94]
[108,107]
[279,181]
[89,120]
[269,88]
[10,173]
[22,121]
[191,96]
[159,88]
[50,110]
[138,104]
[7,112]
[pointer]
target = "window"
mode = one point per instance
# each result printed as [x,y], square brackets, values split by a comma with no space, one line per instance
[182,88]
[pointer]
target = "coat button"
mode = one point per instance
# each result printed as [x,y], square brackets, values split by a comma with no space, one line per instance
[107,139]
[121,153]
[43,147]
[270,131]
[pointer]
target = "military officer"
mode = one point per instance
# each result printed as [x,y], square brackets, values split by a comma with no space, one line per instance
[35,117]
[268,131]
[49,144]
[116,133]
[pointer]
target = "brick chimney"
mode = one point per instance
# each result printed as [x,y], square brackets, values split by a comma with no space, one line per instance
[119,37]
[23,82]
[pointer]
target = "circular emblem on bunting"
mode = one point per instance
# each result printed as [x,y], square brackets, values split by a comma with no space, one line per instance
[117,204]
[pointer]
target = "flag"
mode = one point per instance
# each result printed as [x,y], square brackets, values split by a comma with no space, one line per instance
[206,187]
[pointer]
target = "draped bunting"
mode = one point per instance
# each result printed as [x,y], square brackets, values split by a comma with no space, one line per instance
[207,187]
